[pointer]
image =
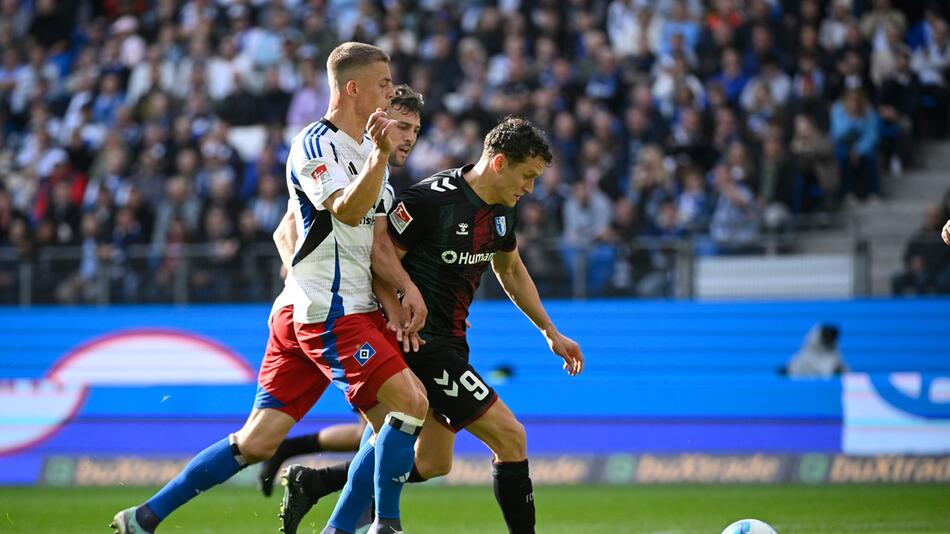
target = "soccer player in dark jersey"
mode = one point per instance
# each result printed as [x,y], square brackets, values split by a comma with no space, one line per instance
[447,229]
[406,109]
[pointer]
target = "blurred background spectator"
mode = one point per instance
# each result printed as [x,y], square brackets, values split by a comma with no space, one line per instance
[151,136]
[819,356]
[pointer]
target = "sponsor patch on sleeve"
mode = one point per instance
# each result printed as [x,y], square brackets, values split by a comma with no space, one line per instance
[400,218]
[321,174]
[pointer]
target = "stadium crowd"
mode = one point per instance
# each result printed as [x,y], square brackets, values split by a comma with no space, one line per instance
[164,123]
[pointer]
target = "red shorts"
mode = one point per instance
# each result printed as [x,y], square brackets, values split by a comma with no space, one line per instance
[288,381]
[356,351]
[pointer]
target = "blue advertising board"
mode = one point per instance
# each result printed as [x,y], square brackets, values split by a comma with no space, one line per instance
[662,378]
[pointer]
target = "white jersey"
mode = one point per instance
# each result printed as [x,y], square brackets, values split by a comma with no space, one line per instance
[330,276]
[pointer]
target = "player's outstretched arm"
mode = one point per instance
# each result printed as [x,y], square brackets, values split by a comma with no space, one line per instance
[946,233]
[517,283]
[285,237]
[350,204]
[387,266]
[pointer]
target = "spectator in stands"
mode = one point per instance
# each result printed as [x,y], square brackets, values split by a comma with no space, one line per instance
[256,271]
[124,270]
[855,133]
[587,214]
[179,204]
[651,183]
[537,245]
[310,99]
[80,286]
[732,78]
[922,33]
[898,102]
[874,23]
[775,182]
[819,356]
[926,260]
[735,222]
[817,172]
[646,94]
[931,63]
[215,275]
[834,29]
[653,263]
[884,56]
[694,206]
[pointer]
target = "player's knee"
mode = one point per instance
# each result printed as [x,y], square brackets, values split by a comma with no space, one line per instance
[511,442]
[256,450]
[414,403]
[434,467]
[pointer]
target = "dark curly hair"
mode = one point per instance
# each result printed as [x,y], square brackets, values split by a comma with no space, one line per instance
[406,100]
[518,140]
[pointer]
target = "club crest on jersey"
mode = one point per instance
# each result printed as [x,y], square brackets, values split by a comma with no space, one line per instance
[364,353]
[320,174]
[501,225]
[463,229]
[400,218]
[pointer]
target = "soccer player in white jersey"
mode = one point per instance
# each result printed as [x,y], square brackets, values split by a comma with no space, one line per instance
[337,176]
[406,109]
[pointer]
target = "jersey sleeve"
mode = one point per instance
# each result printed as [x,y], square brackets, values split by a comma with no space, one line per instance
[386,198]
[410,218]
[320,178]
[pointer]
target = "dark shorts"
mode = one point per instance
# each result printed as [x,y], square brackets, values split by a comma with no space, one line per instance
[457,394]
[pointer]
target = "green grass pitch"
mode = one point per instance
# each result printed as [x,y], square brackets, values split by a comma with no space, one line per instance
[561,510]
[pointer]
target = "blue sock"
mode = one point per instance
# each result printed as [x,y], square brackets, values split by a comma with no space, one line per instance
[367,433]
[394,460]
[358,492]
[208,468]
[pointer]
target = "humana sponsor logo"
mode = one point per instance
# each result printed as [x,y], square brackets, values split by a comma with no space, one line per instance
[466,258]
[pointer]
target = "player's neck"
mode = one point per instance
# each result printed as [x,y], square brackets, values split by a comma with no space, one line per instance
[478,180]
[346,120]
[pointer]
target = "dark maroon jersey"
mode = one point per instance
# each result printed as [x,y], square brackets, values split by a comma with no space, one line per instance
[451,236]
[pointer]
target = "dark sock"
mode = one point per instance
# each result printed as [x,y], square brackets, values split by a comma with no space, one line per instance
[307,444]
[146,518]
[414,476]
[318,483]
[515,495]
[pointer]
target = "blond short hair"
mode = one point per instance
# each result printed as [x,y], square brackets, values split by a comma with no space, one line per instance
[348,56]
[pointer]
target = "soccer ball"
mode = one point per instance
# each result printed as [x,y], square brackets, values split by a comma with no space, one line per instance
[749,526]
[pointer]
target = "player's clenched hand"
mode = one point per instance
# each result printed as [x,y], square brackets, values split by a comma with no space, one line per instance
[415,309]
[569,351]
[946,233]
[381,129]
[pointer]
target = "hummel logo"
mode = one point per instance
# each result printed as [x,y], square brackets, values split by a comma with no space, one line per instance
[463,229]
[444,381]
[438,185]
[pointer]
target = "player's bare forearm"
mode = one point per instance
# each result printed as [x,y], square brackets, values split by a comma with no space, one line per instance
[350,204]
[518,285]
[387,266]
[386,258]
[285,237]
[387,298]
[517,282]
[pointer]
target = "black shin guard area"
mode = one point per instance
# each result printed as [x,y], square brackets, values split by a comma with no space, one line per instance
[415,476]
[318,483]
[515,495]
